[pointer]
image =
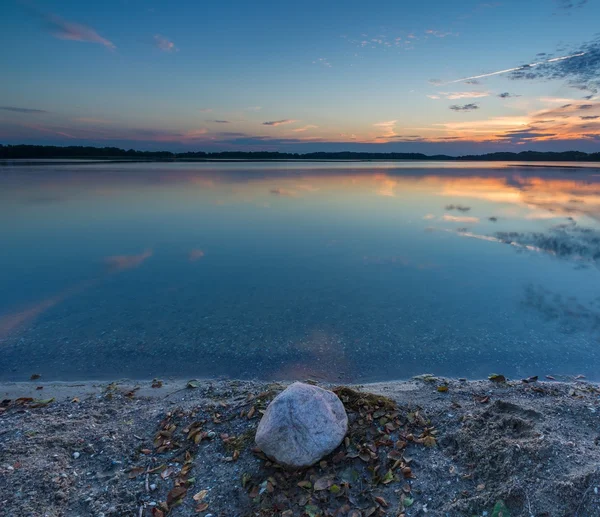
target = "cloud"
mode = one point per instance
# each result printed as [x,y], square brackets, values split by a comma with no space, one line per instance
[581,69]
[434,96]
[122,262]
[205,110]
[589,117]
[164,44]
[464,107]
[460,219]
[472,81]
[282,192]
[516,69]
[322,61]
[585,106]
[305,128]
[62,29]
[428,217]
[279,122]
[253,108]
[464,95]
[507,95]
[21,110]
[220,121]
[389,123]
[439,34]
[570,4]
[195,255]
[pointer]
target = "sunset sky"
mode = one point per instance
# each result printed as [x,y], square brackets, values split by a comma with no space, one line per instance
[434,76]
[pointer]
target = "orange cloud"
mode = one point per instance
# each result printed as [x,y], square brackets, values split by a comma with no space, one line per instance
[195,255]
[123,262]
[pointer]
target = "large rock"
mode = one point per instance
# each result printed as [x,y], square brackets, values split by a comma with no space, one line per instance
[301,425]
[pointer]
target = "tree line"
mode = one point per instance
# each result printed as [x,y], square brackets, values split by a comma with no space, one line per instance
[106,153]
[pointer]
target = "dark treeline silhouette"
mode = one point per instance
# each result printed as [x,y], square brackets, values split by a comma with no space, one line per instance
[106,153]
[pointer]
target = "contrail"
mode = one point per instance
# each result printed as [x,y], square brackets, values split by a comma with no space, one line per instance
[523,67]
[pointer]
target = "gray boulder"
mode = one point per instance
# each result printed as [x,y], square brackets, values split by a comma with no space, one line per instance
[301,425]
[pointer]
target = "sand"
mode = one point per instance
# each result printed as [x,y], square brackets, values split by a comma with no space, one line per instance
[128,449]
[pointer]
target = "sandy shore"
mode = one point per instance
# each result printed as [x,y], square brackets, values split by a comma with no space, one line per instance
[428,446]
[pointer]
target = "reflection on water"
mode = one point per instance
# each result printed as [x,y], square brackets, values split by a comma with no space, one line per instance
[341,271]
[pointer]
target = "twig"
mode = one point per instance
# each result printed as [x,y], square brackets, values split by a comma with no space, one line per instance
[147,479]
[141,511]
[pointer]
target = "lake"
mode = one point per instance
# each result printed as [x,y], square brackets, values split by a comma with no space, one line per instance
[343,271]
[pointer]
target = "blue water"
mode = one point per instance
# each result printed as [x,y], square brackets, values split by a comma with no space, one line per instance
[336,271]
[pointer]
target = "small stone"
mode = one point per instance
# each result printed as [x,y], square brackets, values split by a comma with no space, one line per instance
[76,455]
[301,425]
[152,487]
[211,434]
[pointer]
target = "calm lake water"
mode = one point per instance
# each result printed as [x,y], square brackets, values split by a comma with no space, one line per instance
[337,271]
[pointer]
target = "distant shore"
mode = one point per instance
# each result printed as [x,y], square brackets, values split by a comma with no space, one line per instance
[40,152]
[124,449]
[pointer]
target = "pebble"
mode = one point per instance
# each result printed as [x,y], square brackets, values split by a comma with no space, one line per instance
[152,487]
[211,435]
[76,455]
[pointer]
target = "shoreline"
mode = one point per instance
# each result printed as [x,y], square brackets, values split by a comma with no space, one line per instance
[98,448]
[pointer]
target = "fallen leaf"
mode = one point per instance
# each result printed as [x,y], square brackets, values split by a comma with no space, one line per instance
[166,473]
[323,483]
[35,376]
[75,399]
[136,471]
[442,389]
[201,508]
[388,478]
[305,484]
[496,377]
[530,379]
[200,496]
[156,383]
[157,513]
[408,501]
[381,501]
[193,384]
[251,412]
[39,388]
[480,487]
[176,495]
[335,489]
[41,402]
[549,377]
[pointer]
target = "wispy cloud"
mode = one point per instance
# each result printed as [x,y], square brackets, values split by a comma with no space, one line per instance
[205,110]
[571,4]
[305,128]
[62,29]
[509,70]
[434,96]
[164,43]
[460,219]
[282,192]
[279,122]
[220,121]
[464,95]
[507,95]
[253,108]
[322,61]
[21,110]
[590,117]
[465,107]
[440,34]
[389,123]
[195,255]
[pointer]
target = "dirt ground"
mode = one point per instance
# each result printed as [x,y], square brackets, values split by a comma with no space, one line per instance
[428,446]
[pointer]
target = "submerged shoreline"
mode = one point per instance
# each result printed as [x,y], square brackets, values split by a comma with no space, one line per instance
[100,449]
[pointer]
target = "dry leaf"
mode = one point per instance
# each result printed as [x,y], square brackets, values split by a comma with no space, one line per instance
[200,496]
[201,508]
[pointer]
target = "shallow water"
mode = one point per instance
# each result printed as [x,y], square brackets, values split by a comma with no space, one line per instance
[337,271]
